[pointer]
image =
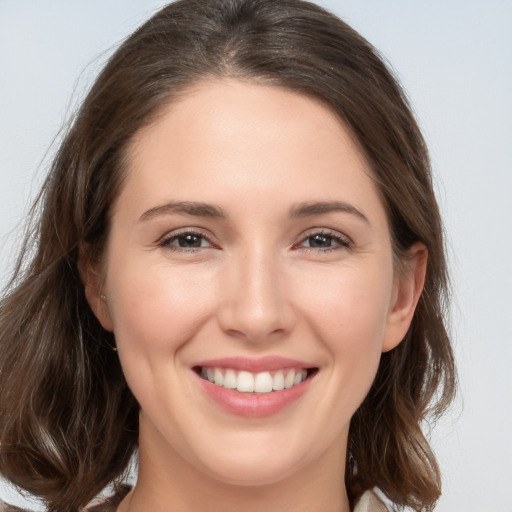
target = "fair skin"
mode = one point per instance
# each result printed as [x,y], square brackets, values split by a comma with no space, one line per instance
[249,229]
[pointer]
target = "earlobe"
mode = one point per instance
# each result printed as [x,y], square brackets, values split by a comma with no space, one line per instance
[93,286]
[408,287]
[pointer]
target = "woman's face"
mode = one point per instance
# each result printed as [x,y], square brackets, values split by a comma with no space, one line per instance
[249,246]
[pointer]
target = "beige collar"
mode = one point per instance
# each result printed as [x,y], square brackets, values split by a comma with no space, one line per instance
[369,502]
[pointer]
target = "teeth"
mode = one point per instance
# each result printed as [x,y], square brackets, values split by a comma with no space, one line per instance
[230,379]
[247,382]
[263,383]
[219,378]
[278,381]
[289,379]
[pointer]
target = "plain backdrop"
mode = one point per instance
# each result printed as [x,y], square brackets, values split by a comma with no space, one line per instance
[454,58]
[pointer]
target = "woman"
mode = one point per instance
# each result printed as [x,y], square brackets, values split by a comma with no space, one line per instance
[236,268]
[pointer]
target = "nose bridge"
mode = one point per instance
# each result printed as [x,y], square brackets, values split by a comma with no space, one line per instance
[256,304]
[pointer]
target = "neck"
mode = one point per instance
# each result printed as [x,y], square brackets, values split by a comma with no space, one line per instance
[168,483]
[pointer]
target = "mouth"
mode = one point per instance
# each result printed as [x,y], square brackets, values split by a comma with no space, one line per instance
[255,383]
[254,387]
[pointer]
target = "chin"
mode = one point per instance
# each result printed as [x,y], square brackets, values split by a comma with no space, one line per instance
[258,472]
[259,458]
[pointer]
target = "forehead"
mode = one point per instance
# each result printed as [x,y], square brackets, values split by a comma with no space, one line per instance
[226,140]
[234,111]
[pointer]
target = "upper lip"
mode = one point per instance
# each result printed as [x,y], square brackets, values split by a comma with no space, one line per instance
[255,365]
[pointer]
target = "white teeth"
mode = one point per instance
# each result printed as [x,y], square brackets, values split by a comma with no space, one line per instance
[247,382]
[263,383]
[278,381]
[219,378]
[230,379]
[289,379]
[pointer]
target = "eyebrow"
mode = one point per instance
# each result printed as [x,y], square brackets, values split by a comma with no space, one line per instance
[199,209]
[194,208]
[322,207]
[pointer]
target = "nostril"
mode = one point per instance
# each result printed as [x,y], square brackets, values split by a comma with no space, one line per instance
[256,316]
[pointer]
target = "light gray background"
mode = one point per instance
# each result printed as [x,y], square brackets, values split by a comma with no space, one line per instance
[454,58]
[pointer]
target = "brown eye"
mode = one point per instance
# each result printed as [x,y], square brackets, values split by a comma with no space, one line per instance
[320,241]
[186,241]
[189,241]
[324,241]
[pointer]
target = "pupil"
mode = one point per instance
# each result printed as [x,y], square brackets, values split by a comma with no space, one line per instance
[320,241]
[189,241]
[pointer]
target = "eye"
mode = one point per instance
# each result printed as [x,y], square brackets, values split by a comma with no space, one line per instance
[186,241]
[324,241]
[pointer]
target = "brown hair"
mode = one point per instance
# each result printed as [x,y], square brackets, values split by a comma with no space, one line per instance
[68,422]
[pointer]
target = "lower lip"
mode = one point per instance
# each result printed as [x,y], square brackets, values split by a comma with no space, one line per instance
[253,405]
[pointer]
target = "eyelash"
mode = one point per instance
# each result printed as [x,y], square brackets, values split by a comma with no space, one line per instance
[342,242]
[167,241]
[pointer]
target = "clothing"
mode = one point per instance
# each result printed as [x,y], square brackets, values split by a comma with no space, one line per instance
[109,504]
[369,502]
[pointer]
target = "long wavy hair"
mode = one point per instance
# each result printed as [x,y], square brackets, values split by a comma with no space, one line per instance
[68,421]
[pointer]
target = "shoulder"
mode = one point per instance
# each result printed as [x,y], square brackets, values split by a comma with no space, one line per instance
[109,504]
[5,507]
[370,502]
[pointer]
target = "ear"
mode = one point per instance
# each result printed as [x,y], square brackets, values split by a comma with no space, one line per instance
[407,288]
[92,278]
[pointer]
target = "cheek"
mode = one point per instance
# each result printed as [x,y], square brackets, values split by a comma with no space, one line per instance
[157,308]
[349,308]
[345,311]
[348,314]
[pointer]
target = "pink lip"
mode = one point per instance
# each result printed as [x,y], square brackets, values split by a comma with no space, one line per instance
[253,405]
[254,365]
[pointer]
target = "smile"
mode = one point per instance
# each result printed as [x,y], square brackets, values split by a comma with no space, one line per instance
[248,382]
[254,388]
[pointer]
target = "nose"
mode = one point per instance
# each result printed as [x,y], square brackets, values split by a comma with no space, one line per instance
[256,305]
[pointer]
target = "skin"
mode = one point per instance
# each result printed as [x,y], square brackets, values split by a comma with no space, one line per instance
[254,287]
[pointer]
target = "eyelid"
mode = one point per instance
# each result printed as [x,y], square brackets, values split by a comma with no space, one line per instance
[345,242]
[165,240]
